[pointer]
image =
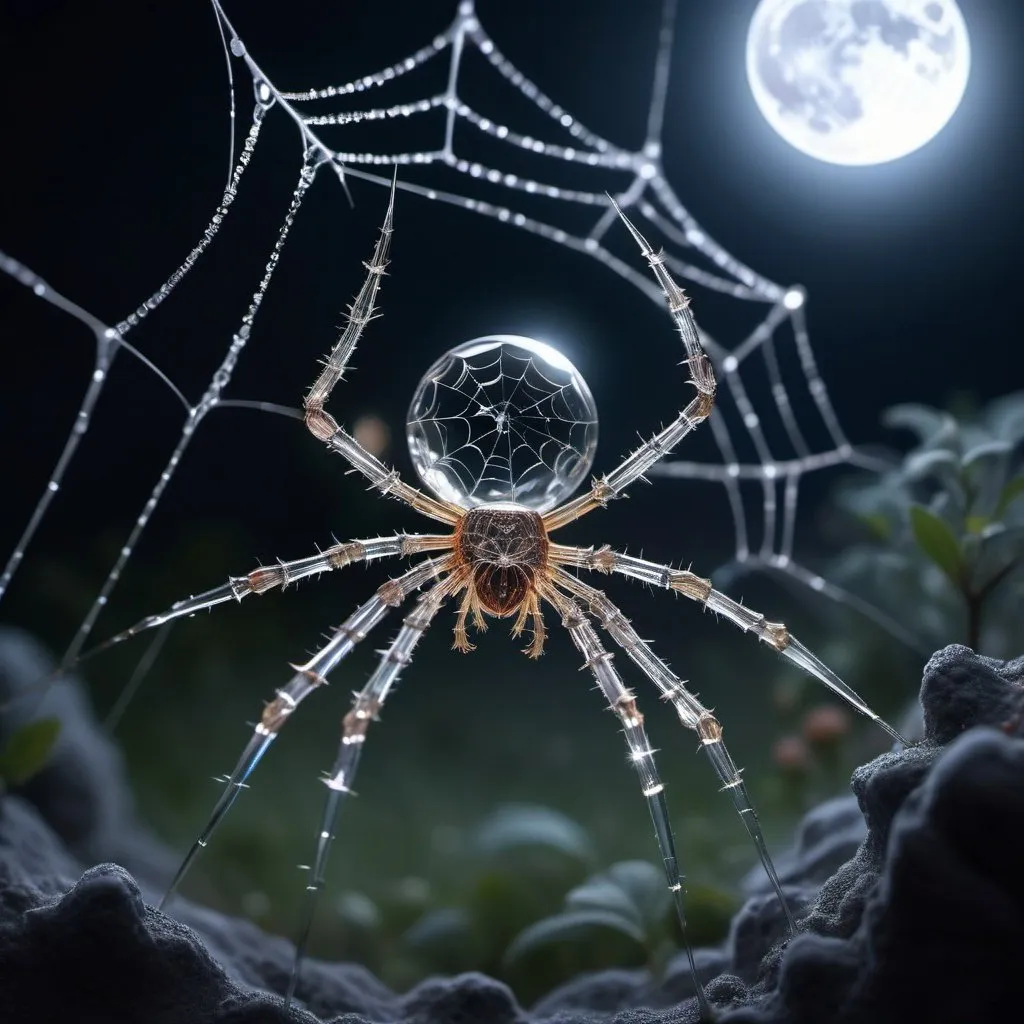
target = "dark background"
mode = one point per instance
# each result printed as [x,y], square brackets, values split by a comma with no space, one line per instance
[114,156]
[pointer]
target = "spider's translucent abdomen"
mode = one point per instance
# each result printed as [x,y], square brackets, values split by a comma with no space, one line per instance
[503,419]
[505,545]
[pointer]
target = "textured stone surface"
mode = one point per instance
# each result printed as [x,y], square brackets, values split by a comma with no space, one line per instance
[911,894]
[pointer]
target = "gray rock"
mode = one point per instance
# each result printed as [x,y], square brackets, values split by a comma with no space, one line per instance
[911,897]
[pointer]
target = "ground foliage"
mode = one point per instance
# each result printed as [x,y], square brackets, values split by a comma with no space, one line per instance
[920,916]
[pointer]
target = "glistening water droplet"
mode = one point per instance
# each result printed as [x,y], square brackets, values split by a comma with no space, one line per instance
[503,418]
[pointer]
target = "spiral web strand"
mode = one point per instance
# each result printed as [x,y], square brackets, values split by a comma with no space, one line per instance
[636,179]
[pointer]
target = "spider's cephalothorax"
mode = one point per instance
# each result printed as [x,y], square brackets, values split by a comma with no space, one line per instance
[503,548]
[503,431]
[505,545]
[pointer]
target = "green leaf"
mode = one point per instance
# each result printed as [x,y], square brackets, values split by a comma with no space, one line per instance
[936,462]
[522,825]
[880,496]
[985,468]
[989,451]
[358,910]
[1006,417]
[975,524]
[950,505]
[571,926]
[446,926]
[936,540]
[601,893]
[503,902]
[1013,490]
[931,425]
[646,886]
[878,524]
[1001,548]
[27,750]
[402,903]
[444,941]
[631,889]
[709,913]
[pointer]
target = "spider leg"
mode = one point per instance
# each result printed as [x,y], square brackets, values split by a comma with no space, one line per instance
[469,605]
[694,587]
[702,377]
[307,678]
[368,702]
[691,713]
[461,642]
[479,620]
[623,703]
[530,609]
[259,581]
[323,425]
[268,577]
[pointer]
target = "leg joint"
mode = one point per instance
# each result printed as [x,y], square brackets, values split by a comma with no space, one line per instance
[625,707]
[391,593]
[603,559]
[344,554]
[691,585]
[708,729]
[776,634]
[321,424]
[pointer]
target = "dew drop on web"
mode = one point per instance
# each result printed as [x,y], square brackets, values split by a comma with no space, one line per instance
[502,418]
[264,94]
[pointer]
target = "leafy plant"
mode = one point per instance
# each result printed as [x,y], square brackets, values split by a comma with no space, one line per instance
[947,525]
[517,865]
[27,750]
[525,902]
[631,901]
[630,898]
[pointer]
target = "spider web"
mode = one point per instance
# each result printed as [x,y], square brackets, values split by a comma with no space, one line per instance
[596,166]
[495,425]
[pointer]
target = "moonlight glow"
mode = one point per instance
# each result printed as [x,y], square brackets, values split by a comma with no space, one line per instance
[857,81]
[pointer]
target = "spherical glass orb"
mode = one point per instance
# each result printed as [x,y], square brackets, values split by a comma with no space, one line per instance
[502,418]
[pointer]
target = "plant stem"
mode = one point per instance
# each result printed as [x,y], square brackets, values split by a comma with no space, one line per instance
[975,599]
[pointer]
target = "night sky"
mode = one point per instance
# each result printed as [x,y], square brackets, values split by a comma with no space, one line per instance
[117,151]
[115,154]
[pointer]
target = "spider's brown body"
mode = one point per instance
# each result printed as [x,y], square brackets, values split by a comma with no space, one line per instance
[506,545]
[502,550]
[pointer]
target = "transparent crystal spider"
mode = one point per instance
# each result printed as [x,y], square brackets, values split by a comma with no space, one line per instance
[501,503]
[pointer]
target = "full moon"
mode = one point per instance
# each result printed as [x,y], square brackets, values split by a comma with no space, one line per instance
[857,81]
